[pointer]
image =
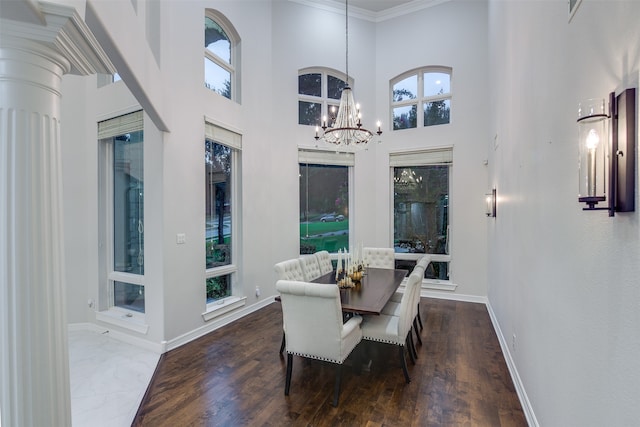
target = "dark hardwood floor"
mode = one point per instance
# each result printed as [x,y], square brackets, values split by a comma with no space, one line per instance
[235,376]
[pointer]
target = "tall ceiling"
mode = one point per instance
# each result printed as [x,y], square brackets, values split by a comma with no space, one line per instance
[377,5]
[374,10]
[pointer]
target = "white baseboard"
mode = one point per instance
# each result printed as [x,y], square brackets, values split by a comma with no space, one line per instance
[215,324]
[515,377]
[452,296]
[165,346]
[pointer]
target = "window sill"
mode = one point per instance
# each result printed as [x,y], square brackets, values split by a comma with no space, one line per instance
[218,308]
[433,285]
[123,319]
[439,285]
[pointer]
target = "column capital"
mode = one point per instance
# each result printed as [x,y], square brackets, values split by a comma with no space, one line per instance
[58,28]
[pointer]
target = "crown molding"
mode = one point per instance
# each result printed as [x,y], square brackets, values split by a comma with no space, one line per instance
[66,33]
[367,15]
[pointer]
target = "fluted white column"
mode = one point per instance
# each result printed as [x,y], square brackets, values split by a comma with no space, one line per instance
[34,363]
[35,371]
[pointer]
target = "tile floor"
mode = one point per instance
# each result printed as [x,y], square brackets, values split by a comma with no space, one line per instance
[108,378]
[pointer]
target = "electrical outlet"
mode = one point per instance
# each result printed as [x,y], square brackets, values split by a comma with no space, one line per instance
[513,343]
[90,303]
[257,291]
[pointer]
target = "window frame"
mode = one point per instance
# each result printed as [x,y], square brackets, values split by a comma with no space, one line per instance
[233,66]
[426,157]
[323,99]
[233,140]
[420,100]
[331,158]
[107,310]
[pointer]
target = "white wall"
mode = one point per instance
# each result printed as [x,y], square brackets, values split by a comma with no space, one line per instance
[277,39]
[453,34]
[563,281]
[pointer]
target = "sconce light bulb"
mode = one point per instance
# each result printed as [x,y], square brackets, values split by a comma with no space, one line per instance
[593,139]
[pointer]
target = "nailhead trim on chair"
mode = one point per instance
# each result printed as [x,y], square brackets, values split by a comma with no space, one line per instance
[317,358]
[382,340]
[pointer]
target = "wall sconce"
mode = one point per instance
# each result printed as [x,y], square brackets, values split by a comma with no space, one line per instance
[490,199]
[607,164]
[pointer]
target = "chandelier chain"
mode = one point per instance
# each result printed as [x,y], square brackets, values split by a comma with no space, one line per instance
[345,128]
[346,36]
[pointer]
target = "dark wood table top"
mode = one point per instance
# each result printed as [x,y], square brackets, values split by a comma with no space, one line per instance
[373,292]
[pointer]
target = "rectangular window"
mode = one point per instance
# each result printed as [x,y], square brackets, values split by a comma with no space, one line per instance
[324,200]
[437,112]
[221,166]
[421,208]
[217,78]
[128,203]
[218,216]
[405,117]
[309,113]
[129,296]
[218,287]
[122,141]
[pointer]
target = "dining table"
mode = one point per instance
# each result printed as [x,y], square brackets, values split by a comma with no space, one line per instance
[371,293]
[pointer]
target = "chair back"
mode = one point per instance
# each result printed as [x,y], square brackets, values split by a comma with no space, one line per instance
[310,267]
[324,260]
[379,257]
[312,317]
[424,261]
[289,270]
[408,306]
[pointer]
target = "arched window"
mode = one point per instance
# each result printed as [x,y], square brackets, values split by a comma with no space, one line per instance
[319,90]
[421,97]
[221,55]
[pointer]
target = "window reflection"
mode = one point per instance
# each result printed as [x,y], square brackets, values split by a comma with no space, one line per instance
[128,203]
[324,208]
[218,204]
[421,211]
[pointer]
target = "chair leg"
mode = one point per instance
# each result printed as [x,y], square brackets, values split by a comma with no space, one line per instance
[413,345]
[420,318]
[283,342]
[403,362]
[411,348]
[287,384]
[336,389]
[417,331]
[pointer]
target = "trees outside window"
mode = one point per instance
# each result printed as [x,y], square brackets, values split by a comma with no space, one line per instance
[319,91]
[421,97]
[421,206]
[218,159]
[220,55]
[324,207]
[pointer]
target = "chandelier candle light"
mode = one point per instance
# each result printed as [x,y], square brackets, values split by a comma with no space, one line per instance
[346,127]
[350,267]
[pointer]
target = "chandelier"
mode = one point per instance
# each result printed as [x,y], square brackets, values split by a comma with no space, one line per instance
[345,128]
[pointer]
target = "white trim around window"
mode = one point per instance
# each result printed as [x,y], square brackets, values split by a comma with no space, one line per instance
[442,155]
[231,138]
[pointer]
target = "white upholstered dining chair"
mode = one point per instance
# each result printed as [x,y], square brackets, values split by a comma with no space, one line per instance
[310,267]
[324,260]
[313,319]
[395,330]
[290,269]
[422,263]
[379,257]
